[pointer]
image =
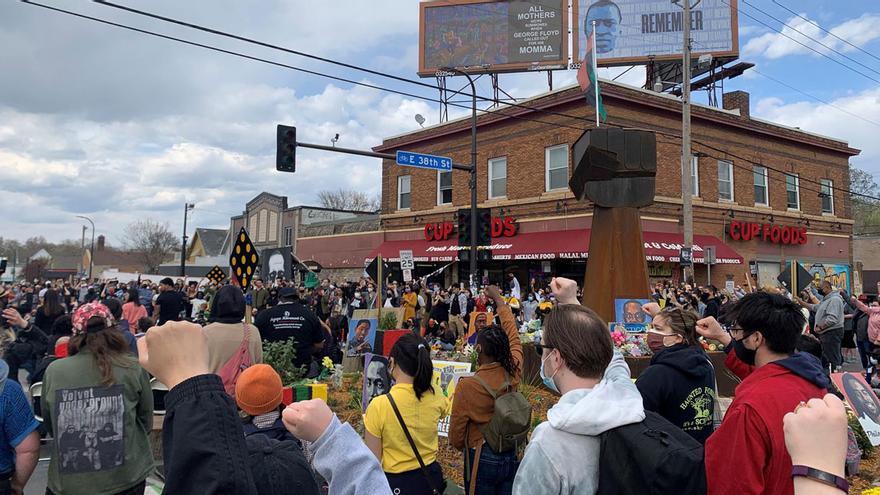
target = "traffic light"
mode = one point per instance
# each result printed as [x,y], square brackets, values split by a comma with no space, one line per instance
[484,227]
[285,156]
[464,227]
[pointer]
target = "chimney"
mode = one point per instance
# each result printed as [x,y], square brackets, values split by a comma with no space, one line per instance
[100,246]
[737,100]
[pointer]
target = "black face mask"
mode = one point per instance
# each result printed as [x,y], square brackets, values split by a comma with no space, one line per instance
[743,353]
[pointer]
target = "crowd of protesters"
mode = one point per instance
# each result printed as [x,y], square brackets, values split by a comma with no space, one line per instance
[94,348]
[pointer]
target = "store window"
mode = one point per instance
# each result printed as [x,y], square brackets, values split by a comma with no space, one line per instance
[725,180]
[826,192]
[404,183]
[444,188]
[792,191]
[556,164]
[760,174]
[498,178]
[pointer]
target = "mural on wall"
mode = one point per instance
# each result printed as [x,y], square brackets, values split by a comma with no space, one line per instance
[839,275]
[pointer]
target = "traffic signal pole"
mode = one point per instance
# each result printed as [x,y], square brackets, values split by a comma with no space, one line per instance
[287,144]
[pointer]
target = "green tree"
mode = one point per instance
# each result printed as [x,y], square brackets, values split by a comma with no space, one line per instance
[864,192]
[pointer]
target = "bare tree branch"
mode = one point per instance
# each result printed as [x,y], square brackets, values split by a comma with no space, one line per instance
[153,240]
[346,199]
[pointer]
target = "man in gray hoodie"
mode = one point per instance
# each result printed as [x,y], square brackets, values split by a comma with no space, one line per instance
[829,324]
[578,361]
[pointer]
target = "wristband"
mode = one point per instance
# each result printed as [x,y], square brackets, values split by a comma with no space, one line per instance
[821,476]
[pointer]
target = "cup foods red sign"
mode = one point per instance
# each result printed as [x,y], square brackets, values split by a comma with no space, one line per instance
[747,231]
[501,227]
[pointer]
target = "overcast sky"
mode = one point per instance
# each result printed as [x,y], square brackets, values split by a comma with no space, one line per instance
[120,126]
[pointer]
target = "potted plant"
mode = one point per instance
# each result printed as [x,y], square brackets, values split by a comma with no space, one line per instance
[280,356]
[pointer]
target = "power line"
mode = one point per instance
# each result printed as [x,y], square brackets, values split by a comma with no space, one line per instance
[383,74]
[829,32]
[286,66]
[379,88]
[316,57]
[800,43]
[820,100]
[811,38]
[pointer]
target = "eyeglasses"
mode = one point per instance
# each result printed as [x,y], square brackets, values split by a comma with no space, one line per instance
[540,348]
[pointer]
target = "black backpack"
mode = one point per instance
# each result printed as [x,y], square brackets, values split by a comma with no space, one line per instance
[650,457]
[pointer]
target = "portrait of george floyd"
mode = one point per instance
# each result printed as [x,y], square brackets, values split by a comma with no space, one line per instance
[377,379]
[863,401]
[629,312]
[606,14]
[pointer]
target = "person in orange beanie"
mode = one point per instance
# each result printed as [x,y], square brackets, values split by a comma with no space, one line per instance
[258,394]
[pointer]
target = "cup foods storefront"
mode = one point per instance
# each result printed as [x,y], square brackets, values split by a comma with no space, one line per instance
[540,248]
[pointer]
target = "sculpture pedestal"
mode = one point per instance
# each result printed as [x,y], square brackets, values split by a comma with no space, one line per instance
[616,267]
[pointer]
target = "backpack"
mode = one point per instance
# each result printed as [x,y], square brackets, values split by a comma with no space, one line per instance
[240,361]
[650,457]
[511,420]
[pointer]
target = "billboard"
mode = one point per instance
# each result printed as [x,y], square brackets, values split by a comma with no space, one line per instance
[631,32]
[493,36]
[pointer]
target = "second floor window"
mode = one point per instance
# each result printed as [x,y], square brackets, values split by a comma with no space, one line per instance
[498,178]
[444,188]
[403,192]
[760,175]
[556,164]
[792,190]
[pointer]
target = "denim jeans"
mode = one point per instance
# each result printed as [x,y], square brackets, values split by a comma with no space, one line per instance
[495,472]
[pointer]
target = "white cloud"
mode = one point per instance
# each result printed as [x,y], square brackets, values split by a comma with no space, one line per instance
[774,45]
[829,121]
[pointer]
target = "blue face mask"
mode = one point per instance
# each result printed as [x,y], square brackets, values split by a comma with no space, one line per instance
[531,298]
[548,380]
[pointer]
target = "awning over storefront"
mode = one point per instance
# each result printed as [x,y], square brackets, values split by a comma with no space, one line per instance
[558,245]
[665,246]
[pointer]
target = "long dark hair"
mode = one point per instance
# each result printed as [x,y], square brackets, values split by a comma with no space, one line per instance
[106,345]
[51,304]
[496,345]
[134,297]
[412,355]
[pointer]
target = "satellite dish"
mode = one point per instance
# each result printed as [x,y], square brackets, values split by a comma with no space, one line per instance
[420,119]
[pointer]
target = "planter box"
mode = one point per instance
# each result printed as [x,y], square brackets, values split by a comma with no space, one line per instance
[727,381]
[352,364]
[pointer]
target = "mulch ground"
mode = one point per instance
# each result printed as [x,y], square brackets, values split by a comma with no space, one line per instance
[346,403]
[869,474]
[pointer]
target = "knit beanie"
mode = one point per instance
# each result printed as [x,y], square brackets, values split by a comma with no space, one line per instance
[258,390]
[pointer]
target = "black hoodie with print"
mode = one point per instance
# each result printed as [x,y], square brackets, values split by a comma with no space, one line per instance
[680,386]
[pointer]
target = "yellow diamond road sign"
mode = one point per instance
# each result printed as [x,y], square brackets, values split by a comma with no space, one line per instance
[243,259]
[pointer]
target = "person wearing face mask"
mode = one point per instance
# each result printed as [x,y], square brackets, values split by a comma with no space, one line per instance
[747,453]
[829,323]
[409,302]
[529,307]
[679,384]
[579,362]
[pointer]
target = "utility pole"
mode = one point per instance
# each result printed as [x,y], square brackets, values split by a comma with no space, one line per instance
[186,208]
[686,185]
[92,248]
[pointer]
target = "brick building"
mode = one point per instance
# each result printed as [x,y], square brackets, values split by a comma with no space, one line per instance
[271,223]
[746,171]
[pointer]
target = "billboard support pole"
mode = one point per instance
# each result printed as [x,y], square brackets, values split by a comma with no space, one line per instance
[686,160]
[473,179]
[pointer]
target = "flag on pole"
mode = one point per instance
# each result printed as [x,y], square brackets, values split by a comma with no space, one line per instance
[588,81]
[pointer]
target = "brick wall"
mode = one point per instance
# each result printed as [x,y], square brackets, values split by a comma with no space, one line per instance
[716,134]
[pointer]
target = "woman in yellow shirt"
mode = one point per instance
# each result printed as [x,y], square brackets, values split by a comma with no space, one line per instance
[410,299]
[421,407]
